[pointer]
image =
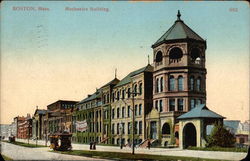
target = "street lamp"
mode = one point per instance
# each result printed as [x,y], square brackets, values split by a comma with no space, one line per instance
[133,118]
[120,130]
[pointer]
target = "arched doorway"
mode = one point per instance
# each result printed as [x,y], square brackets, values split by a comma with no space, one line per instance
[189,135]
[165,129]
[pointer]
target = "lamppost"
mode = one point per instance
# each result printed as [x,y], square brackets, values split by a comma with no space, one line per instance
[134,93]
[120,130]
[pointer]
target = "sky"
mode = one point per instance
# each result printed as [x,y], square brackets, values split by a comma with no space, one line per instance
[53,54]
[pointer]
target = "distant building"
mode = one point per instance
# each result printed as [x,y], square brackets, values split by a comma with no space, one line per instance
[59,116]
[17,121]
[4,130]
[240,130]
[24,127]
[37,123]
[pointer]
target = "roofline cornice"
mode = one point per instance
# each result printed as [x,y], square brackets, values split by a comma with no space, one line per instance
[187,40]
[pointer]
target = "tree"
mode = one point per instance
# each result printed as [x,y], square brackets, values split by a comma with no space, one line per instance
[220,137]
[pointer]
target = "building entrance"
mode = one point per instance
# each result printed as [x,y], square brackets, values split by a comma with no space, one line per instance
[153,130]
[189,135]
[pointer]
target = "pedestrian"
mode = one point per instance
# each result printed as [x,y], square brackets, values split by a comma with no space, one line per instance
[90,147]
[94,145]
[149,144]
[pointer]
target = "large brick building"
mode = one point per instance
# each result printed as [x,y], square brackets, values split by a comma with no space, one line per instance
[173,85]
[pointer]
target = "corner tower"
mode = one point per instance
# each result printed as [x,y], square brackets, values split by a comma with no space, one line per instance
[179,77]
[179,69]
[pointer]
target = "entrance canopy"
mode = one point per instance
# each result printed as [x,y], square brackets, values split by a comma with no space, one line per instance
[200,111]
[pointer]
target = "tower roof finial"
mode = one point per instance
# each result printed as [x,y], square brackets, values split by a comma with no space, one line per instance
[178,15]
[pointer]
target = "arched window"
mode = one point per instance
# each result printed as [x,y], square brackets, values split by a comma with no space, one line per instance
[175,55]
[108,98]
[135,89]
[113,97]
[123,94]
[180,83]
[140,88]
[156,105]
[157,85]
[191,83]
[171,83]
[161,84]
[158,57]
[123,112]
[160,106]
[118,95]
[165,129]
[195,55]
[118,113]
[128,92]
[198,84]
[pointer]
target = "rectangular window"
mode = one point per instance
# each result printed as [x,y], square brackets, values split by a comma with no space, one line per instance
[180,104]
[113,113]
[136,127]
[123,126]
[129,127]
[128,111]
[123,94]
[171,83]
[117,128]
[135,110]
[192,103]
[118,113]
[171,104]
[140,127]
[123,112]
[156,105]
[160,105]
[198,101]
[140,109]
[113,128]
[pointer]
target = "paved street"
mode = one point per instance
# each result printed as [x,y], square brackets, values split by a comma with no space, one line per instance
[22,153]
[155,151]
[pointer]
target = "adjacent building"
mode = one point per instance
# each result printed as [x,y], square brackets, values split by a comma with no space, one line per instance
[58,117]
[37,124]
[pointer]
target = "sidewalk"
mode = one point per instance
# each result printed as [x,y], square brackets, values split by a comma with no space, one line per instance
[159,151]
